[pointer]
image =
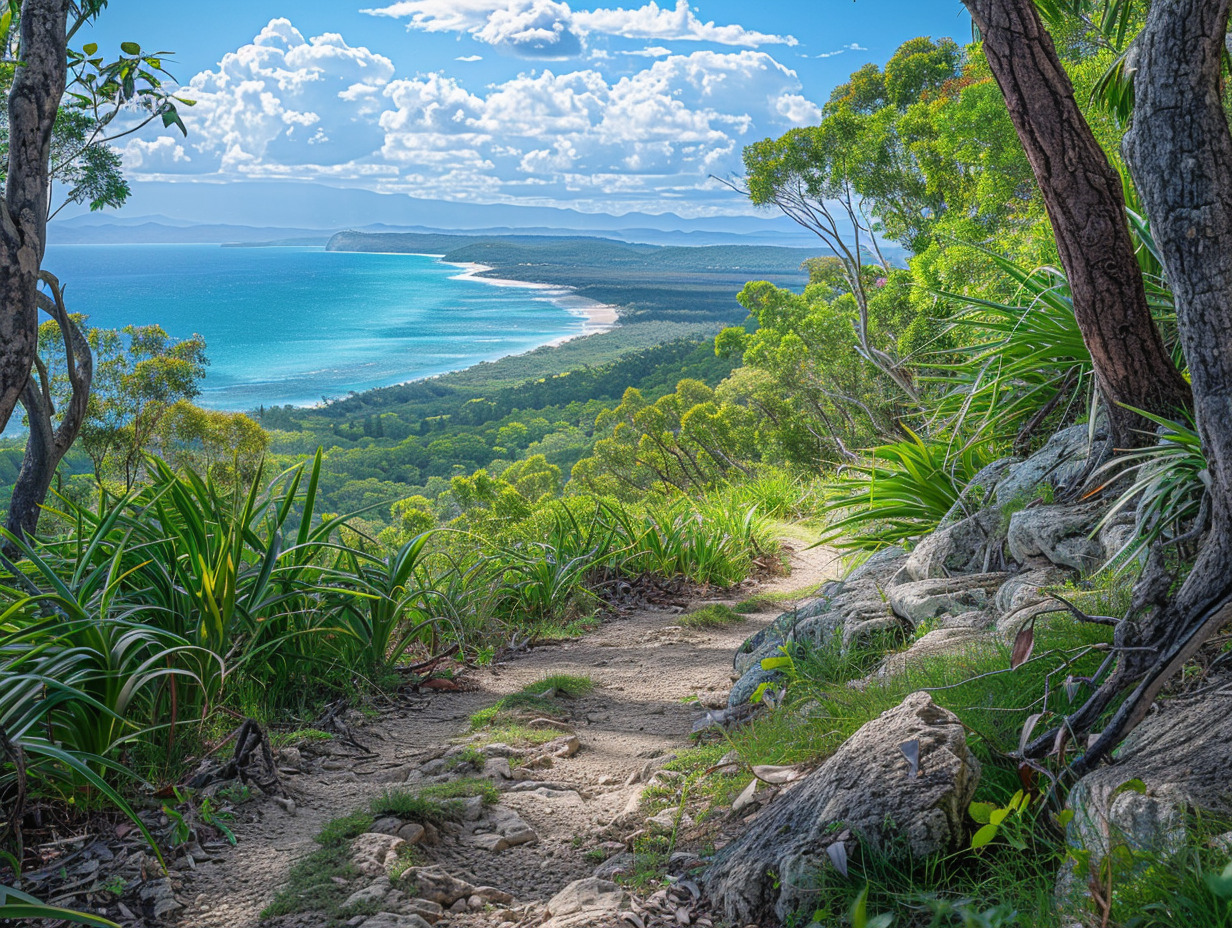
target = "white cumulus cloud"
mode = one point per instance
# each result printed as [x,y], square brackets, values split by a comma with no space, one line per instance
[283,98]
[553,29]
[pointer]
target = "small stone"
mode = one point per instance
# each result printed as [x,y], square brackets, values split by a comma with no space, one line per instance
[369,894]
[429,911]
[497,768]
[492,843]
[435,885]
[459,907]
[373,854]
[490,894]
[472,808]
[287,804]
[410,832]
[613,866]
[391,920]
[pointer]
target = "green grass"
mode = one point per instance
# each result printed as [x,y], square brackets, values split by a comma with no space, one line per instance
[547,632]
[468,755]
[434,804]
[713,616]
[1182,889]
[506,721]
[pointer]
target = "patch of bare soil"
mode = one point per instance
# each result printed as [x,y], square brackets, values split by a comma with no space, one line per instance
[652,679]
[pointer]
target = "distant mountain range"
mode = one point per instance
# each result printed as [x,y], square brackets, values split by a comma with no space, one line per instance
[92,230]
[308,214]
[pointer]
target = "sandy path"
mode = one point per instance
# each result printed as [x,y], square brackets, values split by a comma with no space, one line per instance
[645,668]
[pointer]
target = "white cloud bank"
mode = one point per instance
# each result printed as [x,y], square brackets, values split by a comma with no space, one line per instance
[317,108]
[552,29]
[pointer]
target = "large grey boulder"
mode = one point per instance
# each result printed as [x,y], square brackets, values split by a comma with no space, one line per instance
[1022,597]
[867,789]
[963,547]
[962,635]
[920,601]
[1061,534]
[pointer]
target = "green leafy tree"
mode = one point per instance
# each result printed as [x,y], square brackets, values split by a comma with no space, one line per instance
[227,446]
[140,374]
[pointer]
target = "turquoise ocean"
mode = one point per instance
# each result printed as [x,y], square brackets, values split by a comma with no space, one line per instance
[296,325]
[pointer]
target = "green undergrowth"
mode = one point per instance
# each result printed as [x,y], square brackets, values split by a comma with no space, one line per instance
[434,804]
[547,632]
[712,616]
[507,720]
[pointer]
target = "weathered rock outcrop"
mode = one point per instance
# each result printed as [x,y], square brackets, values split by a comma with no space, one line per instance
[1061,461]
[1061,534]
[853,609]
[921,601]
[963,547]
[866,788]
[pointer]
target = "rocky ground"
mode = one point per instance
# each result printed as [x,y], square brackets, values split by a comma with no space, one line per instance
[653,680]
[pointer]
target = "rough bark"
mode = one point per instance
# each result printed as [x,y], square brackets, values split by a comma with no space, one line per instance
[1082,194]
[47,443]
[38,85]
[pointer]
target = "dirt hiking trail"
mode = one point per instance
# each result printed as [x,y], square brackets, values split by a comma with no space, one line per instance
[645,668]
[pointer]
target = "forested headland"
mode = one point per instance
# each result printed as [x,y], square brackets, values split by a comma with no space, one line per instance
[998,387]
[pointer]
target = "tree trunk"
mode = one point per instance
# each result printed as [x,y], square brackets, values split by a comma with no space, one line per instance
[1082,194]
[1180,152]
[47,443]
[38,85]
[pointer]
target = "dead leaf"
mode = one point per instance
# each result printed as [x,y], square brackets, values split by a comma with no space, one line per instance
[776,775]
[439,683]
[1027,728]
[837,853]
[635,920]
[1024,644]
[911,751]
[746,798]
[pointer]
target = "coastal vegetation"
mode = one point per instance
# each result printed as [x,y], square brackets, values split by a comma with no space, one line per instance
[185,569]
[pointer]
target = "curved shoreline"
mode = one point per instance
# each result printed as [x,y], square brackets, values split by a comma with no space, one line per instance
[599,317]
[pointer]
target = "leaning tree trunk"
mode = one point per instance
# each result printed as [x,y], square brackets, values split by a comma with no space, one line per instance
[38,84]
[1082,194]
[47,444]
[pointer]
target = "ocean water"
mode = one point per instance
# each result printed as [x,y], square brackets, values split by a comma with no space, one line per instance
[297,325]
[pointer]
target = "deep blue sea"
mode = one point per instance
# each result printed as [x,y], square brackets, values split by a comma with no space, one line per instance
[295,325]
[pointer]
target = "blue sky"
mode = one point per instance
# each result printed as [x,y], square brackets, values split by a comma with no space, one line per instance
[601,107]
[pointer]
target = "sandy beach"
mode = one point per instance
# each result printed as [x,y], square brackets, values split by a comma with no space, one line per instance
[597,317]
